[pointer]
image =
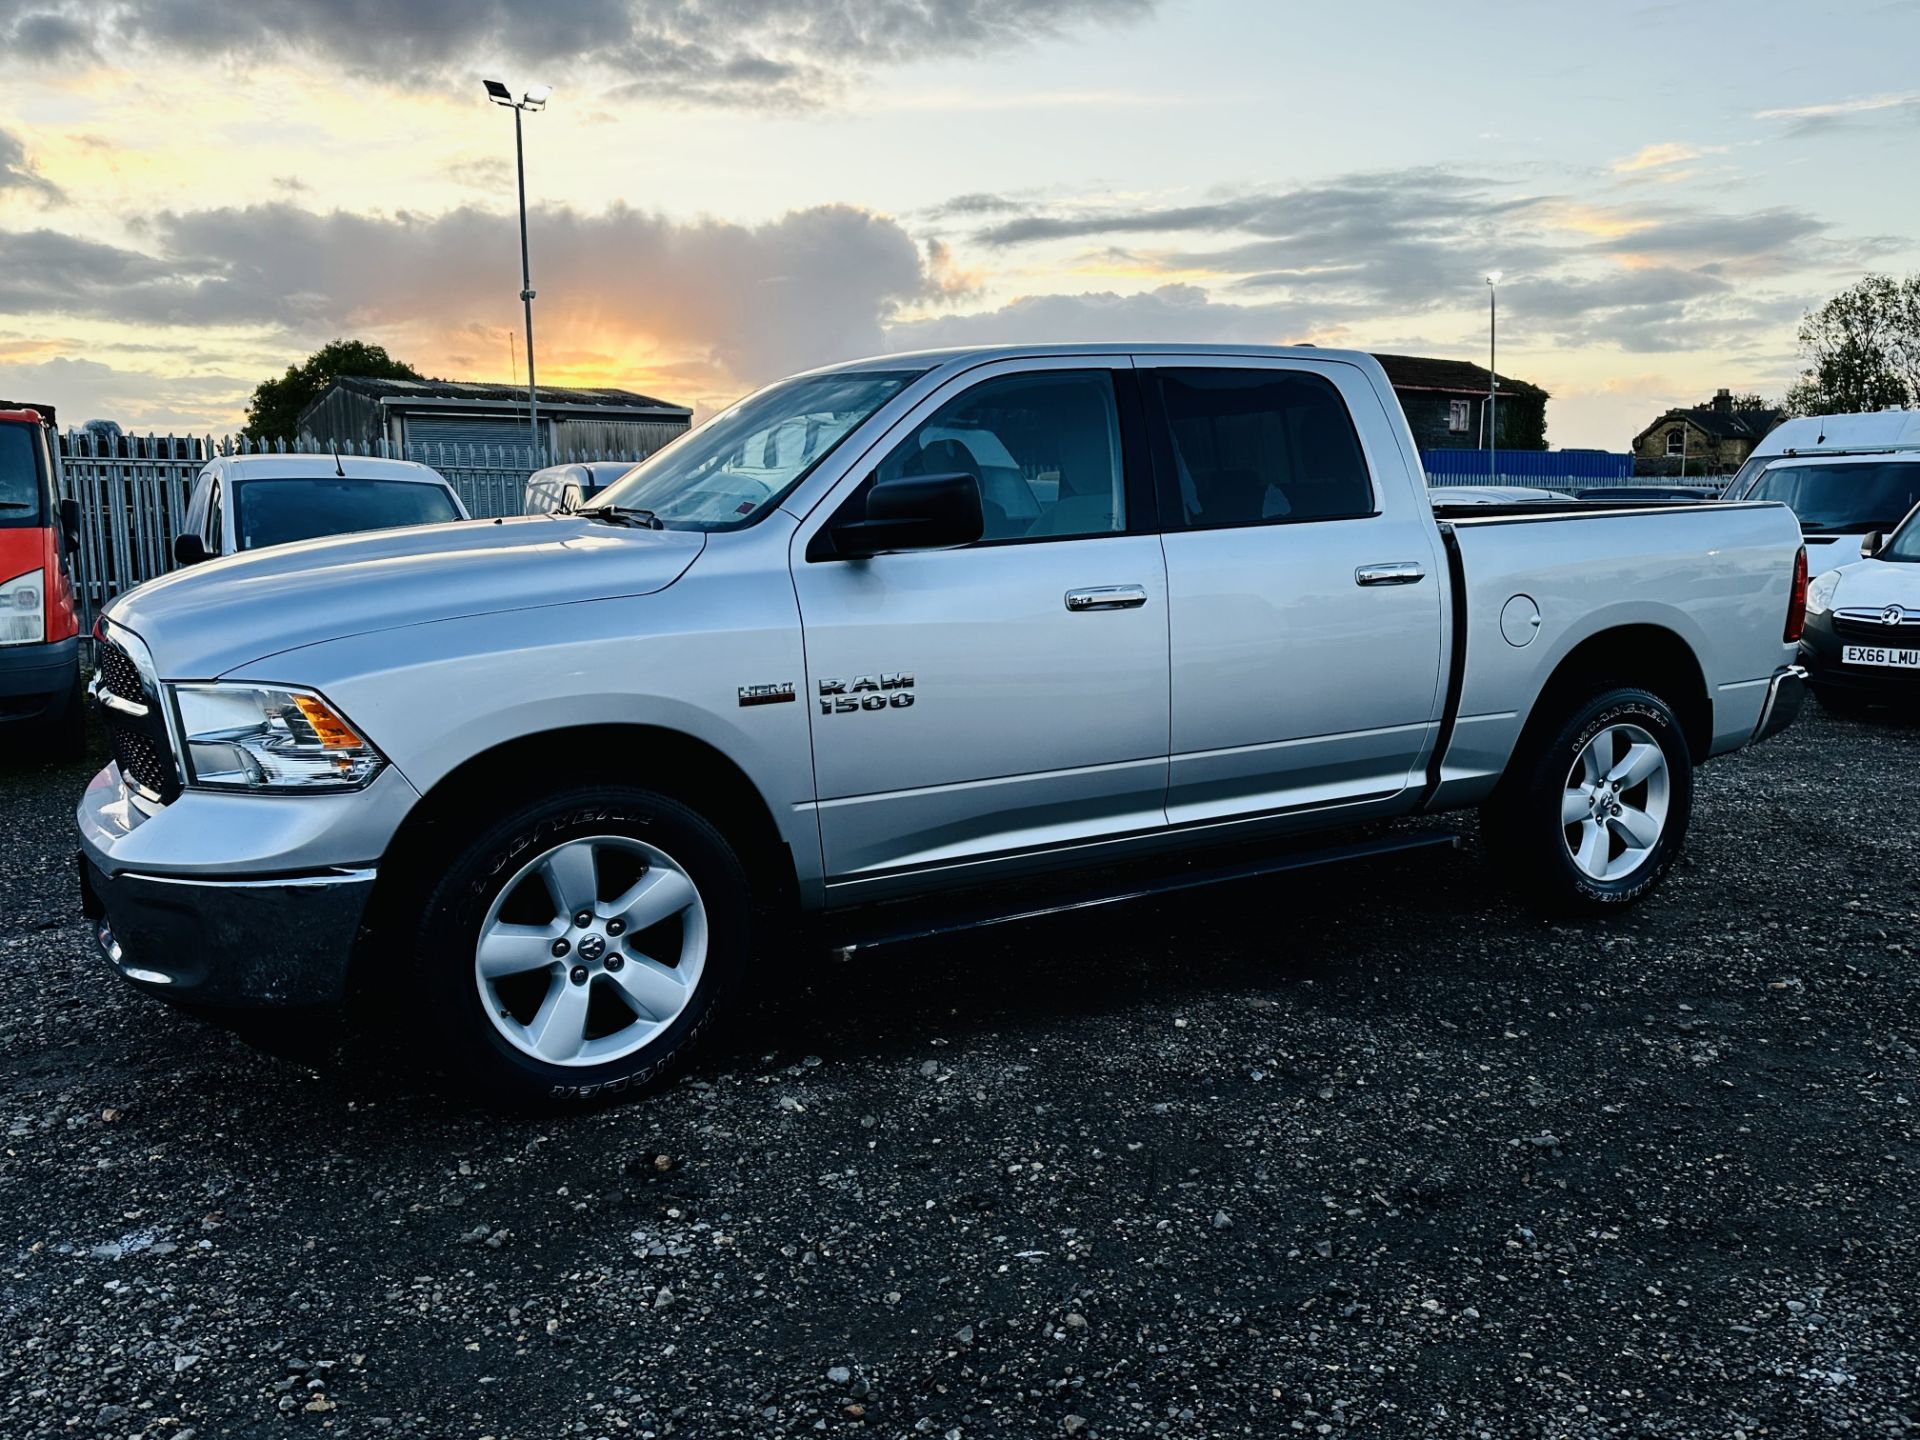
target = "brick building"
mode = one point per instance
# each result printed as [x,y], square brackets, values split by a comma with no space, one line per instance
[1446,404]
[1712,439]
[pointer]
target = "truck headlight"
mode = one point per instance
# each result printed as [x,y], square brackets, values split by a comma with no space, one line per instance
[269,737]
[23,613]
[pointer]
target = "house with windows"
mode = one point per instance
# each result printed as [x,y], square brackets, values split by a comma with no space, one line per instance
[1710,439]
[1446,404]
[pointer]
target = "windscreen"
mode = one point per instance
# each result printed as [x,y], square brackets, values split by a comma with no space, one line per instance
[20,485]
[275,512]
[743,461]
[1834,499]
[1905,544]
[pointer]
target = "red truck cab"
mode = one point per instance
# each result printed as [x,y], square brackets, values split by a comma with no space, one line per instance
[40,705]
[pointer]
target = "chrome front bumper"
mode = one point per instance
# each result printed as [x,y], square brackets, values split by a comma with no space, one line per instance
[234,901]
[1785,696]
[273,942]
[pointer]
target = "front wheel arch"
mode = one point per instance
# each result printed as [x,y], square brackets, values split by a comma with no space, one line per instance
[670,762]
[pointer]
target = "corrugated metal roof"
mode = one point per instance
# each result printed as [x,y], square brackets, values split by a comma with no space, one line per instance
[554,395]
[1461,377]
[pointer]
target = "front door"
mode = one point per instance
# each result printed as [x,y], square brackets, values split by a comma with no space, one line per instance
[1304,590]
[983,703]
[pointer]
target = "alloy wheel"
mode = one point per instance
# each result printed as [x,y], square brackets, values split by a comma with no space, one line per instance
[591,950]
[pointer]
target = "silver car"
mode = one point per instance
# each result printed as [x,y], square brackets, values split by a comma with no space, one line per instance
[881,638]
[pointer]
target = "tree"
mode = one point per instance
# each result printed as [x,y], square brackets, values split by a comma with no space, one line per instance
[1865,348]
[274,411]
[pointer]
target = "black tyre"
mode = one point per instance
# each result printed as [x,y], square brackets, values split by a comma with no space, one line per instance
[579,948]
[1593,810]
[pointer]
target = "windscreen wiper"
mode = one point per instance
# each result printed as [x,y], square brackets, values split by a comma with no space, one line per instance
[623,515]
[17,505]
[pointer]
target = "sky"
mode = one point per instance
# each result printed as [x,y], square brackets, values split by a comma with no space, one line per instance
[194,194]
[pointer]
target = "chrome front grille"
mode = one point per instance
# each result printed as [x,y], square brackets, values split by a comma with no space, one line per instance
[1872,623]
[136,727]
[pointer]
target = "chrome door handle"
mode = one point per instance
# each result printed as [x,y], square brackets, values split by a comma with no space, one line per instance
[1107,597]
[1394,572]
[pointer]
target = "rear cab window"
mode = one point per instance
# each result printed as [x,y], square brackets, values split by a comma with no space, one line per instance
[1256,447]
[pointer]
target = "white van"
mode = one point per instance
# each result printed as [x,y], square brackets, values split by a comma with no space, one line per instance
[244,502]
[1844,476]
[1876,430]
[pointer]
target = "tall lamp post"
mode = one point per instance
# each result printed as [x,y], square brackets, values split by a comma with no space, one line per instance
[534,99]
[1493,377]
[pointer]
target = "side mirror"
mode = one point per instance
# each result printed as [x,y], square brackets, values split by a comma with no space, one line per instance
[189,549]
[913,512]
[1870,546]
[70,525]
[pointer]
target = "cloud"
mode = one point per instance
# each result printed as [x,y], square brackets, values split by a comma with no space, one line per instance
[82,389]
[1807,121]
[753,301]
[1170,313]
[1661,156]
[1364,251]
[17,173]
[752,53]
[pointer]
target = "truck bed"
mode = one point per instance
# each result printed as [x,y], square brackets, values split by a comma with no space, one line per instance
[1528,583]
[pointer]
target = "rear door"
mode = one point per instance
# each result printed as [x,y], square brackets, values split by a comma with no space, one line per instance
[1304,589]
[977,705]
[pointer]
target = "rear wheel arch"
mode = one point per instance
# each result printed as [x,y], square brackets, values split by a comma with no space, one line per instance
[1651,657]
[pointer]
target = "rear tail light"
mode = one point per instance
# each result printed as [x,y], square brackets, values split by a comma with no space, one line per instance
[1797,605]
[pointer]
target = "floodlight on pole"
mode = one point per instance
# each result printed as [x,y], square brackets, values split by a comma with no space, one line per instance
[1493,375]
[534,99]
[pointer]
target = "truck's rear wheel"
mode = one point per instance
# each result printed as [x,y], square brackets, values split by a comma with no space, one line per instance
[578,948]
[1595,808]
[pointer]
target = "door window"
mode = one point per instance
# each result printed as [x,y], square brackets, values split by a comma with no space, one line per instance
[1045,448]
[216,522]
[1251,447]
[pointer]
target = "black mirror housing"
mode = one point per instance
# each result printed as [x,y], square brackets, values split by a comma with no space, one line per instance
[913,512]
[70,525]
[1870,546]
[189,549]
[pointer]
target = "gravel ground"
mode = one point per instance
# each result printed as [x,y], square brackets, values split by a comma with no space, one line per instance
[1371,1152]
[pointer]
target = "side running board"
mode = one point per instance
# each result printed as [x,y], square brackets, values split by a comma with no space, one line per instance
[896,921]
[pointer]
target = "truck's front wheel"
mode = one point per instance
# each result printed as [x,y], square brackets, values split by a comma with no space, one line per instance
[1595,807]
[577,949]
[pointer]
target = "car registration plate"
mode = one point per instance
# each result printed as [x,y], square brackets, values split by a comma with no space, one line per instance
[1882,655]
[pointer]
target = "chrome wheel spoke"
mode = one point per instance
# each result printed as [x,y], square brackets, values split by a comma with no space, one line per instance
[659,894]
[1576,805]
[1592,854]
[559,1030]
[650,989]
[1637,766]
[516,949]
[1637,828]
[571,878]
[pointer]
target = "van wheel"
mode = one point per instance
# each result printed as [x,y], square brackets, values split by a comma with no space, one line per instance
[1595,814]
[579,948]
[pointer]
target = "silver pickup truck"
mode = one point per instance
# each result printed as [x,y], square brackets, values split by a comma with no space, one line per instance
[890,647]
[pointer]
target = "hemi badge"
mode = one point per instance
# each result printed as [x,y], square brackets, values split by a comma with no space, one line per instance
[767,694]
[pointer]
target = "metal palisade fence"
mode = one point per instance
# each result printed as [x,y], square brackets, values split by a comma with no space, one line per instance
[133,493]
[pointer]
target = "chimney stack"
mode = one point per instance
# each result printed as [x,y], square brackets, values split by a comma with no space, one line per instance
[1723,402]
